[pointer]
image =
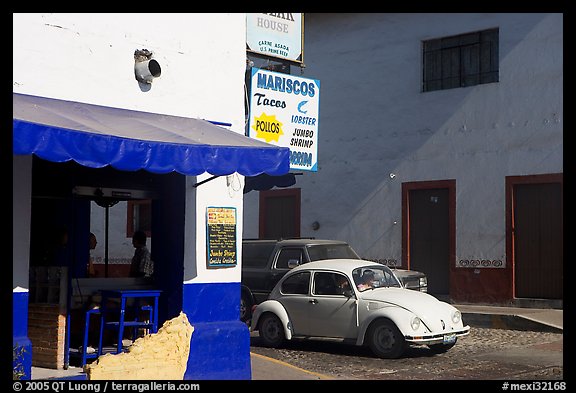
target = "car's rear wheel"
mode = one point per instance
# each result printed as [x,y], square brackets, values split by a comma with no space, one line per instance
[441,348]
[385,340]
[271,330]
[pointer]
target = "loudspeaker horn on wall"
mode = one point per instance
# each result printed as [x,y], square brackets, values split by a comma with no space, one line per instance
[145,67]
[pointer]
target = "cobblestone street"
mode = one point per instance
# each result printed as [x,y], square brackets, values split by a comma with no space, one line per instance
[485,354]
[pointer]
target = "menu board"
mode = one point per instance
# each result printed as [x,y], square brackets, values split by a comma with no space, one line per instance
[221,237]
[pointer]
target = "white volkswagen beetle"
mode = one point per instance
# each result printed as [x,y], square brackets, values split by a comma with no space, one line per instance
[355,301]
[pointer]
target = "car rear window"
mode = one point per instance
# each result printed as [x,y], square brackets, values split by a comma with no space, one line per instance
[297,284]
[256,255]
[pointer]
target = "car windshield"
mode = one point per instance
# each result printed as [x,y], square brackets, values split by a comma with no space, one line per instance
[372,277]
[317,252]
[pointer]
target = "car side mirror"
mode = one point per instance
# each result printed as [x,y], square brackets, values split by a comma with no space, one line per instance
[292,263]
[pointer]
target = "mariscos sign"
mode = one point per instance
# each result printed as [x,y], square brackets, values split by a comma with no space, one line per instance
[284,111]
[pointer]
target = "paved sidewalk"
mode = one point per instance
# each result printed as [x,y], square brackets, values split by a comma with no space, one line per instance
[266,368]
[263,368]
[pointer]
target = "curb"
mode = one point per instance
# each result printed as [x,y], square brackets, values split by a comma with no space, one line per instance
[512,322]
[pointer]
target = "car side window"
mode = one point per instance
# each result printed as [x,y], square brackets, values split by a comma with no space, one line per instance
[296,284]
[287,254]
[326,283]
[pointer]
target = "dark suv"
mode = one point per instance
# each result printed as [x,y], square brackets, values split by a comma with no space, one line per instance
[264,263]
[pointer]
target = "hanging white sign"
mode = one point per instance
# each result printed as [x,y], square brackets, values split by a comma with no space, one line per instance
[276,35]
[284,111]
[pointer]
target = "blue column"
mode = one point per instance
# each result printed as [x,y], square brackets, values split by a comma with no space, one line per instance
[20,340]
[220,345]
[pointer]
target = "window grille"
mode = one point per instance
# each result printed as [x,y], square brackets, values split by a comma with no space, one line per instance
[460,61]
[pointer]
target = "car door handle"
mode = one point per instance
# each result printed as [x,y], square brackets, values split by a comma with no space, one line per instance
[313,301]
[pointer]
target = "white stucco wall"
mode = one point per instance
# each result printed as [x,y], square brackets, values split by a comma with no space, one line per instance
[90,58]
[378,130]
[225,191]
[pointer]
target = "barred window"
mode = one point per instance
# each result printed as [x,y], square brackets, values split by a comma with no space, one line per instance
[459,61]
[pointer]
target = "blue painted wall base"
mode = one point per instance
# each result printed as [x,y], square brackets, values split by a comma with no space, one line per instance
[220,345]
[219,351]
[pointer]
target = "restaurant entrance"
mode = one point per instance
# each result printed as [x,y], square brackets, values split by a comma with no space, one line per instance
[69,202]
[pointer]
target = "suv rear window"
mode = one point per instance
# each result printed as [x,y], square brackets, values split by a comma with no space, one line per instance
[256,255]
[318,252]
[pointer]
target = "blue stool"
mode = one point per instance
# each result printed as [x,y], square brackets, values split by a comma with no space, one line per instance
[150,319]
[120,324]
[85,355]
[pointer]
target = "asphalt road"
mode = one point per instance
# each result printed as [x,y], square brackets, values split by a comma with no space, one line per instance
[485,354]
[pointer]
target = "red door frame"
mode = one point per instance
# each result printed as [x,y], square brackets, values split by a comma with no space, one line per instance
[423,185]
[449,184]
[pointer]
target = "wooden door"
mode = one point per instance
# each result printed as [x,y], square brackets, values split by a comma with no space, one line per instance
[279,214]
[429,236]
[538,240]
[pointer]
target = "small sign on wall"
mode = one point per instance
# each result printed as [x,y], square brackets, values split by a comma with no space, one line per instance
[221,237]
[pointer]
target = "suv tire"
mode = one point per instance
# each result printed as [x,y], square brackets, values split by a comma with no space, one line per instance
[245,307]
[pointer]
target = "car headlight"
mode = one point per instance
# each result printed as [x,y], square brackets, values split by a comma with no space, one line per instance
[415,323]
[456,316]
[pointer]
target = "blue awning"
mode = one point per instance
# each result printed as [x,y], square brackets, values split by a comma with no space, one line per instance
[96,136]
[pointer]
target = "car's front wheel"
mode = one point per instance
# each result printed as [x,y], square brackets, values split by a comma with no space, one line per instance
[385,340]
[271,331]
